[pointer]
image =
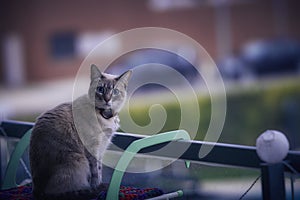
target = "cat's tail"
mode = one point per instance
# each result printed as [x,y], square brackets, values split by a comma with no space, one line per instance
[85,194]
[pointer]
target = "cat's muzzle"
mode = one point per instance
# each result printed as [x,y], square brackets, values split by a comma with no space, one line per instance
[106,113]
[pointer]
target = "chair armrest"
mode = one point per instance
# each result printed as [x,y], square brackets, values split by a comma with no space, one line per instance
[132,150]
[9,180]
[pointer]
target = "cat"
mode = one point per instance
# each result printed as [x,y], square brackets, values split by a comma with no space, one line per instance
[68,142]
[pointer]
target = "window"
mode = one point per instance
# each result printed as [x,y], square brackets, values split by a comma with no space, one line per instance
[62,45]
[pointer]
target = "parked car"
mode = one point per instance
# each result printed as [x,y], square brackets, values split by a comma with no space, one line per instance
[263,58]
[151,57]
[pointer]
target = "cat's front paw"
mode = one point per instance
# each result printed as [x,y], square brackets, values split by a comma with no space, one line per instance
[96,180]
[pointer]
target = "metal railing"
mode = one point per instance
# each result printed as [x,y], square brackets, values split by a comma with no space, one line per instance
[272,175]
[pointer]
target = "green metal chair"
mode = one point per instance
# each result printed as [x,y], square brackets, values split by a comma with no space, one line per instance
[114,186]
[133,149]
[9,180]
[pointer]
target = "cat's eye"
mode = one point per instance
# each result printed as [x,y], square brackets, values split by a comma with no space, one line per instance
[116,91]
[100,90]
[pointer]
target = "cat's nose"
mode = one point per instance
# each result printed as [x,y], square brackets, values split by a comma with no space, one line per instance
[107,97]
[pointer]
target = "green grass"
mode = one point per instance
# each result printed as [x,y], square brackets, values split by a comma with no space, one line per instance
[249,112]
[203,172]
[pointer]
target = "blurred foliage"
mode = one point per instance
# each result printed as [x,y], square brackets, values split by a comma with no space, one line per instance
[26,118]
[210,172]
[250,112]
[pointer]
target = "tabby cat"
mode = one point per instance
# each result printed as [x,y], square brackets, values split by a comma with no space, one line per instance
[68,142]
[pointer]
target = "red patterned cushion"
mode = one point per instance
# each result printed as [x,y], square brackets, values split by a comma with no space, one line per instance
[20,193]
[132,193]
[126,193]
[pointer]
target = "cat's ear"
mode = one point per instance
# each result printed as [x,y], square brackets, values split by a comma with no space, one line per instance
[95,72]
[124,78]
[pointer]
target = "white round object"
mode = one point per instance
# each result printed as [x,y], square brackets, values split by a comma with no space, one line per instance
[272,146]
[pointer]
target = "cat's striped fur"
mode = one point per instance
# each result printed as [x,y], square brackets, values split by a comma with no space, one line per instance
[68,141]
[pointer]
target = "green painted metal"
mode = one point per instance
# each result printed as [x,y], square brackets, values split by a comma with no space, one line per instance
[9,180]
[171,195]
[132,150]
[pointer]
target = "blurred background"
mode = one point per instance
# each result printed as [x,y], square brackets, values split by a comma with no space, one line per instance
[255,44]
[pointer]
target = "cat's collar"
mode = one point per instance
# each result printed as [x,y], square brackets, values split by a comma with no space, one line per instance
[106,113]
